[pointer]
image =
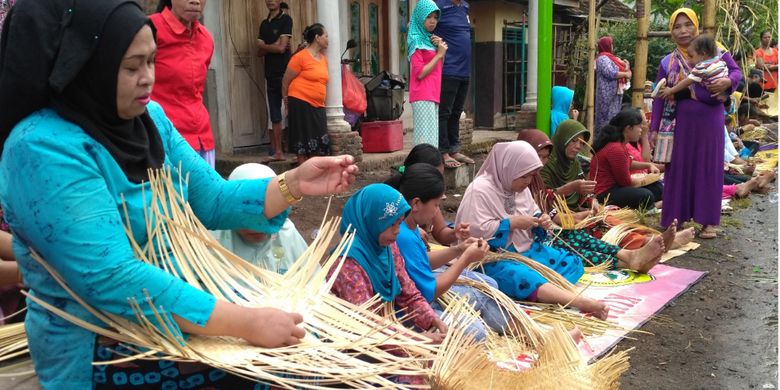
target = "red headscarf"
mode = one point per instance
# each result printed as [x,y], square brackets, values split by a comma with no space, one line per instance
[605,49]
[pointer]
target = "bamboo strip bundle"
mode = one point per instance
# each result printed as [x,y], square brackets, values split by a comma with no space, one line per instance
[625,215]
[549,274]
[13,345]
[754,134]
[345,333]
[646,178]
[616,234]
[557,364]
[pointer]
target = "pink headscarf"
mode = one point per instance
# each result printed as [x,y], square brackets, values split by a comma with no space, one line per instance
[489,198]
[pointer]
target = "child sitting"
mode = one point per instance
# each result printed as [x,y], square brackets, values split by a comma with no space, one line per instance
[709,67]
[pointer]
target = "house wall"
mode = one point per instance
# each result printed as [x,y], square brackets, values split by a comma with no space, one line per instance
[488,19]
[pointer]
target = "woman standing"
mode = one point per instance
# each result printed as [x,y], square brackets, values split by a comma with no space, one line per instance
[612,75]
[303,89]
[766,60]
[693,180]
[184,49]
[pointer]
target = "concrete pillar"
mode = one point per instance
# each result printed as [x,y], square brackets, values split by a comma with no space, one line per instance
[328,15]
[532,55]
[342,139]
[394,31]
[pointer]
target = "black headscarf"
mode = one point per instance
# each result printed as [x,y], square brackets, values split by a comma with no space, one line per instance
[82,75]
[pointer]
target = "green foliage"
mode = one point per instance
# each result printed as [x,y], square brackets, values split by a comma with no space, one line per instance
[624,46]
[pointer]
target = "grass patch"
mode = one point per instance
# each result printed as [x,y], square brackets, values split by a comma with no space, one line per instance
[728,220]
[742,203]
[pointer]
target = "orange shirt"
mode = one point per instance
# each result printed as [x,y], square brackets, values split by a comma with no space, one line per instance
[770,58]
[310,85]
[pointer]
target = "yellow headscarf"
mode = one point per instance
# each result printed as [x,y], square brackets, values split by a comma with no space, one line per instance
[692,16]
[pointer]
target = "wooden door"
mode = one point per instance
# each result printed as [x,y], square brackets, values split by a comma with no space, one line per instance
[367,20]
[248,114]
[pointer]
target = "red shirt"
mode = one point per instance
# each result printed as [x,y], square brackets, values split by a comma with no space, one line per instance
[609,167]
[183,58]
[635,153]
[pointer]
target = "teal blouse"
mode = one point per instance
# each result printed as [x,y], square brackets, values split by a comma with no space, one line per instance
[62,194]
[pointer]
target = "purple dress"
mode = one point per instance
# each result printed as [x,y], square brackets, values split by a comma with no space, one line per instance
[693,181]
[607,97]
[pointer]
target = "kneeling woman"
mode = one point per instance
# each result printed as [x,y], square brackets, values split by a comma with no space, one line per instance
[499,207]
[611,166]
[373,264]
[422,185]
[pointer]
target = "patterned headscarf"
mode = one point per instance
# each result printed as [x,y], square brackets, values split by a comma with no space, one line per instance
[370,211]
[419,38]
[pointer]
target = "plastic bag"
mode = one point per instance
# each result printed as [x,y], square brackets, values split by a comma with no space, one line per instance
[352,91]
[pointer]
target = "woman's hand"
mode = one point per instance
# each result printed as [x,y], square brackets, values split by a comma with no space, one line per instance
[438,331]
[653,168]
[523,222]
[322,176]
[462,232]
[465,244]
[270,328]
[475,252]
[545,222]
[580,186]
[719,86]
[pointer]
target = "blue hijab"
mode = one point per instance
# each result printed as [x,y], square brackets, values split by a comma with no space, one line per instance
[418,37]
[370,211]
[559,110]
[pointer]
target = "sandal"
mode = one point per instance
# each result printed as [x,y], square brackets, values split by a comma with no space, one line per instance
[708,234]
[272,159]
[463,158]
[451,163]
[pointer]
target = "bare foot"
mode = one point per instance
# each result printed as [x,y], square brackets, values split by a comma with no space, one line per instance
[593,307]
[763,181]
[669,235]
[643,259]
[683,237]
[744,189]
[576,335]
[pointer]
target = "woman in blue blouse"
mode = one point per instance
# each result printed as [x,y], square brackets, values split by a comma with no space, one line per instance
[67,167]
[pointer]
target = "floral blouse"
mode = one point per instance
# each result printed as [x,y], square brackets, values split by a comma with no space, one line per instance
[353,285]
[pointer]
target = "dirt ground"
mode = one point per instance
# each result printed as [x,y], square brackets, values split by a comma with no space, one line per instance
[721,334]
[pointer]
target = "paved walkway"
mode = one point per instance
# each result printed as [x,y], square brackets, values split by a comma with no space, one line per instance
[482,141]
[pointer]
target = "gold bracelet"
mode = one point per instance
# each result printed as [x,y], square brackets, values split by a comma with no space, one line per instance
[288,196]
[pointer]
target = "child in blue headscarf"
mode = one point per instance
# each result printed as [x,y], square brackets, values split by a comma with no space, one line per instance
[426,55]
[373,263]
[560,106]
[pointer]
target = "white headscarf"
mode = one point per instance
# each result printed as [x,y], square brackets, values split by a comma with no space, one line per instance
[276,253]
[489,198]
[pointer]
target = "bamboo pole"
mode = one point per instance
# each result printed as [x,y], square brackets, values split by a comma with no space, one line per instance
[590,88]
[640,66]
[709,14]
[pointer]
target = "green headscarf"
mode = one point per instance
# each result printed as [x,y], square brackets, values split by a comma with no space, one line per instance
[418,37]
[559,170]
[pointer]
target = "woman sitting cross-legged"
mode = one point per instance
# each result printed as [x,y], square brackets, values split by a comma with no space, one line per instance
[563,172]
[272,251]
[439,228]
[610,167]
[545,198]
[373,263]
[422,185]
[500,208]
